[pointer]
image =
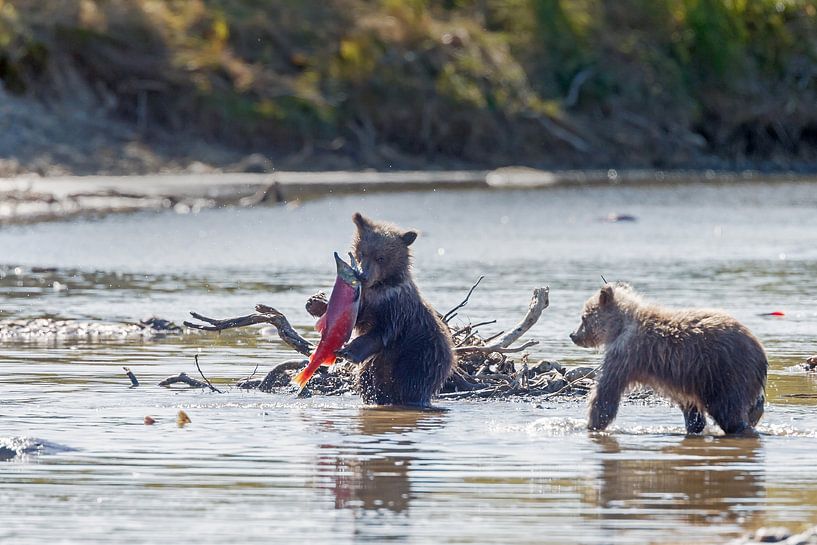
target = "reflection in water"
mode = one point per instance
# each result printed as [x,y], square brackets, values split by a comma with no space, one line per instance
[710,479]
[371,474]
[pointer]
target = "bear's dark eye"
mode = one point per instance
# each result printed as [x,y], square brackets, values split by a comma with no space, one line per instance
[380,259]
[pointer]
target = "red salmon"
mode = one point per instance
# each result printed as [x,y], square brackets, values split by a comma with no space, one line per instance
[336,325]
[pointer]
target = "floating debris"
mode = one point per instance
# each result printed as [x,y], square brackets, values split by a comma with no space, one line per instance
[182,419]
[618,218]
[50,329]
[133,381]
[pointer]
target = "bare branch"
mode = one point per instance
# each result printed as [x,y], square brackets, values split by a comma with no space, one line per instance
[207,380]
[538,303]
[450,314]
[265,315]
[495,349]
[133,382]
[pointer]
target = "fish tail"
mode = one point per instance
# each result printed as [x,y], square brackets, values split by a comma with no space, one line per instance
[306,373]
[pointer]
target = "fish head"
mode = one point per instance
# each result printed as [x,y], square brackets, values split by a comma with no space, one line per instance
[356,267]
[349,274]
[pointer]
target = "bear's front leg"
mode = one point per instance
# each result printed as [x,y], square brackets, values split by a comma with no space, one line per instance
[694,419]
[605,400]
[361,348]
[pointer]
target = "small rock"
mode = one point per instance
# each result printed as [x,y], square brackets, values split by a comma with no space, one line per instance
[619,218]
[545,366]
[555,386]
[254,163]
[577,373]
[197,167]
[7,453]
[149,421]
[771,535]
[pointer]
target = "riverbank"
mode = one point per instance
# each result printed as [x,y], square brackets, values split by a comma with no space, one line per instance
[94,87]
[27,199]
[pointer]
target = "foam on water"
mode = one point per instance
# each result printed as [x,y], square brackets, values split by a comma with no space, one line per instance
[18,447]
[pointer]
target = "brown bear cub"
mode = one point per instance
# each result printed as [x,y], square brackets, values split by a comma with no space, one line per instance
[404,346]
[703,360]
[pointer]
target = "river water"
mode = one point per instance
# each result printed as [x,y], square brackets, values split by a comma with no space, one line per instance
[268,468]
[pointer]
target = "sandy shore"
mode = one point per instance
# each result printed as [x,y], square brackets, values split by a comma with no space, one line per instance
[29,199]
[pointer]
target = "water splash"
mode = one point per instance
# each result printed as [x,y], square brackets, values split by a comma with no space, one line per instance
[18,447]
[555,426]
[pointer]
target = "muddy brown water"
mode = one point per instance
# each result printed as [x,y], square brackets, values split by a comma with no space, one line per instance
[259,468]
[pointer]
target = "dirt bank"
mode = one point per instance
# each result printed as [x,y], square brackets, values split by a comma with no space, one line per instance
[141,86]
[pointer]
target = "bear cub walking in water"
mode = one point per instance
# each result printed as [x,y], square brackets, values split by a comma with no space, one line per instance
[703,360]
[405,348]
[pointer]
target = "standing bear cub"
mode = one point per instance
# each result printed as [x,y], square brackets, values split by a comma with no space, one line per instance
[703,360]
[404,347]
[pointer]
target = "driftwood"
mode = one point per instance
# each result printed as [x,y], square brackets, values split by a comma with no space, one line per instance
[183,378]
[276,377]
[484,366]
[539,302]
[207,380]
[264,315]
[133,380]
[453,312]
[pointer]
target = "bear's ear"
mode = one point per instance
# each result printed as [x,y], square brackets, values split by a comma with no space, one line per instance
[360,221]
[606,295]
[408,237]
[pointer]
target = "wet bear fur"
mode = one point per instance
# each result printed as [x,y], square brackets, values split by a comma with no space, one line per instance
[704,360]
[404,348]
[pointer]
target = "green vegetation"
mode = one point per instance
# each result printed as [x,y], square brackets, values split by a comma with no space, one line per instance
[658,83]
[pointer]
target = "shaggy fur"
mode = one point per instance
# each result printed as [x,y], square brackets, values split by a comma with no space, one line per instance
[703,360]
[405,349]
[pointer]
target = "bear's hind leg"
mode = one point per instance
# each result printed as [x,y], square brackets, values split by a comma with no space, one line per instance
[370,384]
[694,419]
[731,421]
[756,410]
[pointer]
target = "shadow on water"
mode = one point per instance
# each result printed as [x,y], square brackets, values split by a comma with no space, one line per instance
[709,480]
